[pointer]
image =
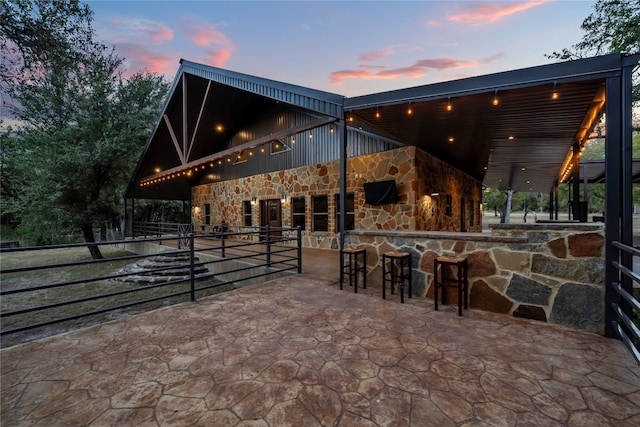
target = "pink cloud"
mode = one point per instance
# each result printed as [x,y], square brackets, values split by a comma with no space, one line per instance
[205,35]
[416,70]
[138,57]
[375,55]
[492,12]
[218,57]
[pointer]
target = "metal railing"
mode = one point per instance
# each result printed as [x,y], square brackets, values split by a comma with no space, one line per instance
[42,294]
[159,229]
[627,308]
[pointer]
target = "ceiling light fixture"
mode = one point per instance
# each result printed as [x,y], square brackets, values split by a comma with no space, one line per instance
[495,101]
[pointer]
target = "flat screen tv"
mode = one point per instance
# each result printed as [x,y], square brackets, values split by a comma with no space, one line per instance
[380,192]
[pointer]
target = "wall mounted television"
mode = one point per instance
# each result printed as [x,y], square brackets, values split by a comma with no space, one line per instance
[380,192]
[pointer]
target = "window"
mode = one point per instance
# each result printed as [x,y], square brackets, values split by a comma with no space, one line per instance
[207,213]
[320,213]
[350,208]
[298,212]
[448,207]
[246,207]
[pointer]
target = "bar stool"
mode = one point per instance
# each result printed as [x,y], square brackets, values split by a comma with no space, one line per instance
[352,267]
[461,281]
[395,272]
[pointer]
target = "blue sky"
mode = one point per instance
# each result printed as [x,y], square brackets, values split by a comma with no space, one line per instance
[346,47]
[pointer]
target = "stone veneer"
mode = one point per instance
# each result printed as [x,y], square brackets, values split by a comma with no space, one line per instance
[548,272]
[416,173]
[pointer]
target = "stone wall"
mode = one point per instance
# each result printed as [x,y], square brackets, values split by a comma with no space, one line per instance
[416,174]
[548,272]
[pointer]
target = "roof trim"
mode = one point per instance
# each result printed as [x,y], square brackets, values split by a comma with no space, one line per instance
[326,103]
[561,72]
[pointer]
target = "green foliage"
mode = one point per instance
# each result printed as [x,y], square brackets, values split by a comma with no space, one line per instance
[614,26]
[85,124]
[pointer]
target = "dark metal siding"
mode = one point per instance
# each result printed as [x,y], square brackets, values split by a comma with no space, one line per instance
[323,147]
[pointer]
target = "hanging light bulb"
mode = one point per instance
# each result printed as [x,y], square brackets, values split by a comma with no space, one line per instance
[554,95]
[495,101]
[409,110]
[377,113]
[449,106]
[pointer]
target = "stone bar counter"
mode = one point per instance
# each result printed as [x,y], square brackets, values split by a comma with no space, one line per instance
[551,272]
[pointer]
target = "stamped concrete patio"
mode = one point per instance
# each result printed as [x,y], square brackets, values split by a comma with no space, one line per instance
[299,352]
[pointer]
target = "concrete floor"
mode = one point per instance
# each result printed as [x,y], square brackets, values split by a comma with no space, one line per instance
[297,351]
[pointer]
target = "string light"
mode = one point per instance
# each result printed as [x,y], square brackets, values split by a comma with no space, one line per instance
[554,95]
[495,101]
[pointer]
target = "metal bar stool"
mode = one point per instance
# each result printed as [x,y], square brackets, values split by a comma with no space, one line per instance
[352,267]
[395,272]
[461,281]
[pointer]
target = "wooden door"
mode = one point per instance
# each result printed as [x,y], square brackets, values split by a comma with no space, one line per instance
[271,215]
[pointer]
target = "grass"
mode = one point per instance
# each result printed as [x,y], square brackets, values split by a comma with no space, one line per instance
[31,299]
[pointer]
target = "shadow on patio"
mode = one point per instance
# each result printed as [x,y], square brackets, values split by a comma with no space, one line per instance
[298,351]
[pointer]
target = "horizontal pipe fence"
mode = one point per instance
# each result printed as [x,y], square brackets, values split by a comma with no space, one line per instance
[49,285]
[627,308]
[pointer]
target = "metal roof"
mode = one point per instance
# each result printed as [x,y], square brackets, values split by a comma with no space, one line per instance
[593,171]
[522,143]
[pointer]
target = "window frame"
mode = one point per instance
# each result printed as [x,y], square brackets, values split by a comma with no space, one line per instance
[448,205]
[351,214]
[299,215]
[320,215]
[247,214]
[207,214]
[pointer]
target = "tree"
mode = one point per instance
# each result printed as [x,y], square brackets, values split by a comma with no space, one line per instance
[84,123]
[614,26]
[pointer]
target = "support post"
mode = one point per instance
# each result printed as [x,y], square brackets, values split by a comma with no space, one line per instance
[613,162]
[268,232]
[577,213]
[299,243]
[343,179]
[192,270]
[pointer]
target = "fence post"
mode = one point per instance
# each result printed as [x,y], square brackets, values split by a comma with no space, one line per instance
[299,242]
[192,270]
[222,249]
[268,246]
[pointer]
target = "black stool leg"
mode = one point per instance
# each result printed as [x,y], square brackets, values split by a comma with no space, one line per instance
[355,272]
[460,289]
[466,285]
[364,268]
[341,269]
[401,262]
[410,277]
[435,283]
[384,276]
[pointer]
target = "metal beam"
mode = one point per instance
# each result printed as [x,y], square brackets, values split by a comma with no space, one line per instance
[247,145]
[174,139]
[195,130]
[613,161]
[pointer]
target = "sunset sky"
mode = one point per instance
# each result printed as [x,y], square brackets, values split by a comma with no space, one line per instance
[346,47]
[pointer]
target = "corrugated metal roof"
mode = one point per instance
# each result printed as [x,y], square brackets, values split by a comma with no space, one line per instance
[522,143]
